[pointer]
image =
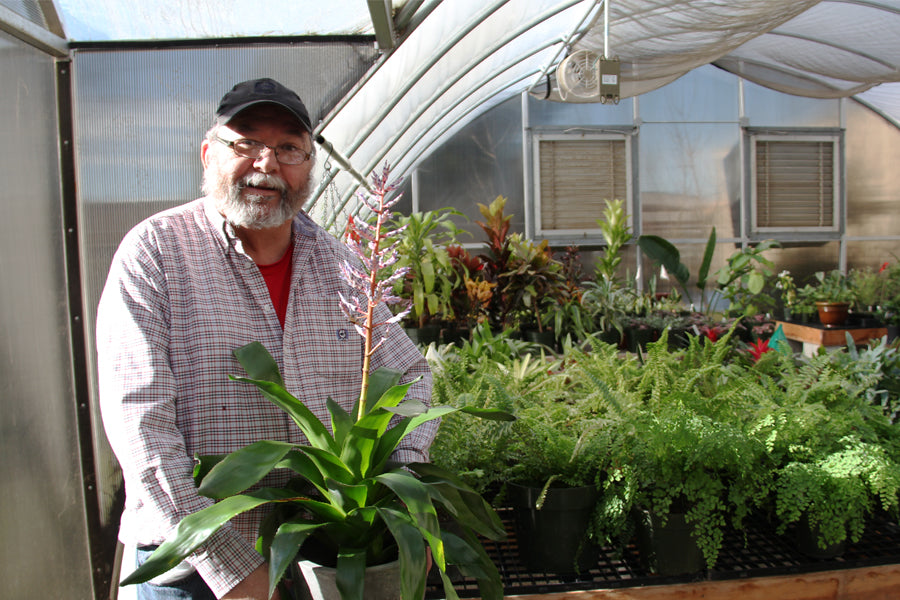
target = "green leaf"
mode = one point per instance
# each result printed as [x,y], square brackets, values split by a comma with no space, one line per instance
[663,252]
[348,496]
[416,499]
[350,573]
[204,464]
[428,275]
[304,466]
[703,274]
[243,468]
[473,561]
[490,414]
[412,553]
[390,439]
[191,533]
[315,432]
[329,465]
[755,282]
[466,505]
[341,420]
[258,363]
[380,381]
[287,542]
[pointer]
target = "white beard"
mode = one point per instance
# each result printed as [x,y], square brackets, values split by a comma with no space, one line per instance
[252,211]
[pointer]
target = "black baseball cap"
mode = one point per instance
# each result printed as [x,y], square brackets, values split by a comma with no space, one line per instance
[261,91]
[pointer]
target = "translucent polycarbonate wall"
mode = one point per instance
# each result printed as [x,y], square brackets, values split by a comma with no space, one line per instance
[45,551]
[482,162]
[140,115]
[692,168]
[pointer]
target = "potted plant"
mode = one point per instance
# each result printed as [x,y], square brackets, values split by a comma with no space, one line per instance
[535,287]
[785,284]
[430,280]
[554,486]
[616,233]
[546,465]
[663,253]
[830,438]
[833,296]
[346,499]
[682,457]
[470,295]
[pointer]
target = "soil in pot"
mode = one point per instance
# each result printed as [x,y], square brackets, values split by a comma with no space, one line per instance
[670,548]
[553,539]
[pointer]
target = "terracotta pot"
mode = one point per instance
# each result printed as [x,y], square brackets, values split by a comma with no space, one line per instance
[833,314]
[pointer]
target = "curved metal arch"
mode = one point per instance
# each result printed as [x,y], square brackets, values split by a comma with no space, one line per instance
[487,102]
[442,90]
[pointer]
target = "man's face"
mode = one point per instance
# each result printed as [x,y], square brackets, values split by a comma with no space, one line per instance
[258,193]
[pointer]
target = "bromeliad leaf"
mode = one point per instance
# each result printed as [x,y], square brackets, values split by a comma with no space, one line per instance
[243,468]
[191,533]
[289,537]
[258,363]
[380,381]
[308,423]
[412,553]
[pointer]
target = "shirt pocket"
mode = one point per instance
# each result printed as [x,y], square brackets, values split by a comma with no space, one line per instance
[329,342]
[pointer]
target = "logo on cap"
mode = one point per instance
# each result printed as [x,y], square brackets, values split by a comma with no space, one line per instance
[265,86]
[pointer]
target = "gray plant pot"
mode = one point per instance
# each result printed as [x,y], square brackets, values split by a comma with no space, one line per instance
[382,582]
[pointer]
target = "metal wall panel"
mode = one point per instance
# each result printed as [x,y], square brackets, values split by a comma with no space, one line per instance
[42,521]
[140,115]
[872,148]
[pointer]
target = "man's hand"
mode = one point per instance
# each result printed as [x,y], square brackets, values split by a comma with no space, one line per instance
[254,587]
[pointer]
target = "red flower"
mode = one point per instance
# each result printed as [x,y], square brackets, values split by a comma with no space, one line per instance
[758,348]
[350,232]
[884,266]
[712,332]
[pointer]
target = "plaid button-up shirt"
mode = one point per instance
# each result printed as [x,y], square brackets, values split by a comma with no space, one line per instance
[180,296]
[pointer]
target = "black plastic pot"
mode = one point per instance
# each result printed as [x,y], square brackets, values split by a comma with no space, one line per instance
[670,548]
[553,539]
[807,538]
[424,335]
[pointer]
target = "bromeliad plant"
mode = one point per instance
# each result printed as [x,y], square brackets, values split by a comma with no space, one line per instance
[346,497]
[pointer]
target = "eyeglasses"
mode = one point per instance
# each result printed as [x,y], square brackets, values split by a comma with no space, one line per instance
[286,154]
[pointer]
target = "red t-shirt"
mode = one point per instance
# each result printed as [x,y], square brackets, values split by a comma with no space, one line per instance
[278,280]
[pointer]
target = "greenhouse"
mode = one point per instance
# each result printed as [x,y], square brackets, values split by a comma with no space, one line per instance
[650,251]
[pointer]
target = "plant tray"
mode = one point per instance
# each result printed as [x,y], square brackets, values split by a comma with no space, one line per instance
[765,554]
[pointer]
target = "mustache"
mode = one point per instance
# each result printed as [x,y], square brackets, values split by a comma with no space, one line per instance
[263,180]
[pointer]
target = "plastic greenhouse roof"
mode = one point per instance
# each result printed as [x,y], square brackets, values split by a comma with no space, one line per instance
[469,55]
[455,59]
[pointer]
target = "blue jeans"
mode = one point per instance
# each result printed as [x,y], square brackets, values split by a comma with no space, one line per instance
[191,587]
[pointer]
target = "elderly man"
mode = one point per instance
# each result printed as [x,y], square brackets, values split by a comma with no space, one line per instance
[189,285]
